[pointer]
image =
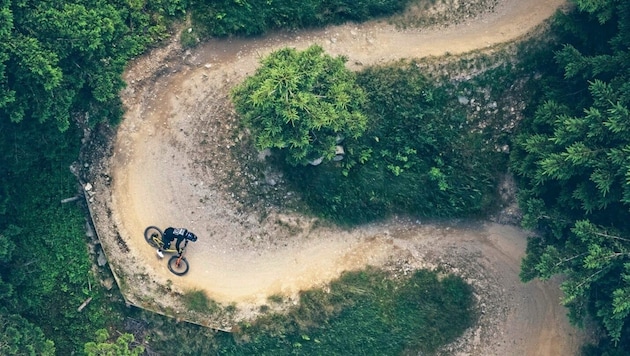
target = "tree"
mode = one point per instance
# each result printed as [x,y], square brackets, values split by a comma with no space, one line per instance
[58,59]
[573,163]
[121,347]
[20,337]
[301,101]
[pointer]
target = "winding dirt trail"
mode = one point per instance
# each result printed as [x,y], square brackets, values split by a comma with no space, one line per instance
[172,152]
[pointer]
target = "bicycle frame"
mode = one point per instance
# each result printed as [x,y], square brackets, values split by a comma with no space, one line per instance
[157,239]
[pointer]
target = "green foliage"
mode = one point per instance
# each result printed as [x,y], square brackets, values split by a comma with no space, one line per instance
[572,161]
[120,347]
[46,271]
[369,314]
[249,17]
[362,313]
[20,337]
[418,156]
[62,58]
[197,300]
[302,102]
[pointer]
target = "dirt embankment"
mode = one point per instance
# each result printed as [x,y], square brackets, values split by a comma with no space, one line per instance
[172,163]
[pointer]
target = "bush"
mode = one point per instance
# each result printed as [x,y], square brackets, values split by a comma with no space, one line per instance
[301,102]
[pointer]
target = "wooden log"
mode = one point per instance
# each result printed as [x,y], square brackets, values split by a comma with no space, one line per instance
[68,200]
[84,304]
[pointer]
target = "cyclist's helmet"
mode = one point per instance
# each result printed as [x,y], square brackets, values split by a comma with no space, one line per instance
[190,236]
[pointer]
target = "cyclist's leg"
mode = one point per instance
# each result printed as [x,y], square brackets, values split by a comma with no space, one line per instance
[166,246]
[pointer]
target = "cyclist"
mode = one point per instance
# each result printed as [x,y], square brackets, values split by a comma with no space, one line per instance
[173,233]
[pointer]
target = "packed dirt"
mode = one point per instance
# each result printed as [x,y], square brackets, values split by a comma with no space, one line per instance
[181,159]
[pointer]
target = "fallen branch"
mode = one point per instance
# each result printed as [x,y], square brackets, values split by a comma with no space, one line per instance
[68,200]
[84,304]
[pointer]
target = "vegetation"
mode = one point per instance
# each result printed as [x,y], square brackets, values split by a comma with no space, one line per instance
[61,64]
[303,102]
[58,59]
[19,336]
[120,347]
[364,312]
[250,17]
[572,161]
[197,300]
[420,155]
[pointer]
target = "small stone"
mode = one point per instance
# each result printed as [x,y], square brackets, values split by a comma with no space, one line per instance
[108,283]
[316,162]
[88,187]
[101,260]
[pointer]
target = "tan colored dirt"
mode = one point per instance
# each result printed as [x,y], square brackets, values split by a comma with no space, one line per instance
[174,158]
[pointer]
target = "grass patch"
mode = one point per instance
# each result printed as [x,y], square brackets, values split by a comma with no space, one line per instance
[197,300]
[364,313]
[276,298]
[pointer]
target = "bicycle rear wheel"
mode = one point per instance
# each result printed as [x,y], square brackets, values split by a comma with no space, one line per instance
[178,266]
[153,234]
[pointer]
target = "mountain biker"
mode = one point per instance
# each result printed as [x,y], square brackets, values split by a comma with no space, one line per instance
[173,233]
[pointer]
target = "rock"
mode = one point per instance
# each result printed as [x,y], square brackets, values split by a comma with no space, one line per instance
[89,231]
[101,260]
[462,100]
[108,283]
[264,154]
[272,178]
[88,187]
[339,150]
[316,162]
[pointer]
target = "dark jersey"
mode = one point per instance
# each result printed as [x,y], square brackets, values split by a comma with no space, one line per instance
[173,233]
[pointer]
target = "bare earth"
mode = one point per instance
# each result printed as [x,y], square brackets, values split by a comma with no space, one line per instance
[176,155]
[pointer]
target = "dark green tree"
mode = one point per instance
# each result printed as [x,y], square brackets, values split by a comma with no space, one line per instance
[301,101]
[58,59]
[104,347]
[20,337]
[573,163]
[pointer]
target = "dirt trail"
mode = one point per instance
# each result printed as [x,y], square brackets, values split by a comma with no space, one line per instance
[171,155]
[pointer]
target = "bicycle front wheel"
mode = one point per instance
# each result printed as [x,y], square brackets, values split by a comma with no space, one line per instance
[178,266]
[152,235]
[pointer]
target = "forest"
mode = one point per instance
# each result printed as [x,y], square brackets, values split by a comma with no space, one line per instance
[61,66]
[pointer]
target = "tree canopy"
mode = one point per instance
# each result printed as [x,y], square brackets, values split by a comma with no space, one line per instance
[62,58]
[301,101]
[573,162]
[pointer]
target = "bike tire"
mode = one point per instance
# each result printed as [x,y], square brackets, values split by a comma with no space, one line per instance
[152,233]
[180,269]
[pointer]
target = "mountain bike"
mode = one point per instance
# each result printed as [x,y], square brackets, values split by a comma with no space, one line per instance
[177,263]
